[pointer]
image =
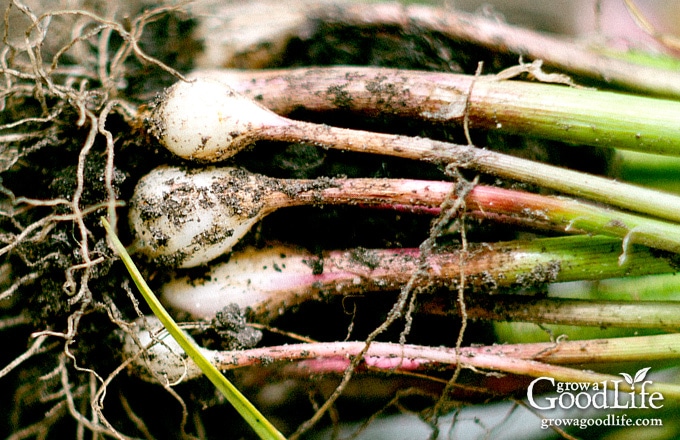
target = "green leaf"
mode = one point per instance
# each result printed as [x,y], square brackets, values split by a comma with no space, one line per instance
[262,426]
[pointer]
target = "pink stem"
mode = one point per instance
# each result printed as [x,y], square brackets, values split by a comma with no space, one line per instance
[521,359]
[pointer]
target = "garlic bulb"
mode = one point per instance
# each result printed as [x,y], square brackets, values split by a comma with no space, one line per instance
[164,358]
[264,280]
[205,120]
[185,218]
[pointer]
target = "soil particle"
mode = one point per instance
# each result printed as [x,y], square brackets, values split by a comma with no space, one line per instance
[316,264]
[293,189]
[215,235]
[242,194]
[234,333]
[540,274]
[385,94]
[339,96]
[365,257]
[64,182]
[616,223]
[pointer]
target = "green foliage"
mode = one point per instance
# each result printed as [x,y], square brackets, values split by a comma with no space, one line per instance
[246,409]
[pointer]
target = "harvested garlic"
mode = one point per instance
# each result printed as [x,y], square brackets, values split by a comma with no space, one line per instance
[164,357]
[184,217]
[269,281]
[207,121]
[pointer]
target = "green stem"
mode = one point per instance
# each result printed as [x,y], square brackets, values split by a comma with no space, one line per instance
[636,167]
[637,57]
[663,315]
[576,216]
[628,349]
[250,414]
[634,198]
[500,37]
[272,280]
[534,360]
[581,116]
[661,287]
[570,115]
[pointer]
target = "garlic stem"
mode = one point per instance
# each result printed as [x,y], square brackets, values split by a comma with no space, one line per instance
[272,280]
[500,37]
[205,120]
[570,115]
[168,361]
[185,217]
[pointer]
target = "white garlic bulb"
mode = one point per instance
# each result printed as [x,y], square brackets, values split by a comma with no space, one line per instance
[164,358]
[184,217]
[206,121]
